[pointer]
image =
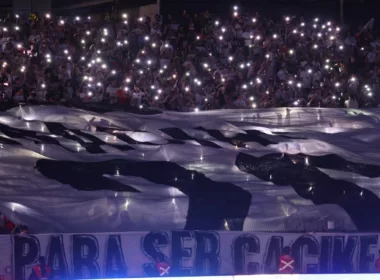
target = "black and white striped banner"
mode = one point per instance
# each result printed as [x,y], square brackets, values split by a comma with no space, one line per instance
[71,170]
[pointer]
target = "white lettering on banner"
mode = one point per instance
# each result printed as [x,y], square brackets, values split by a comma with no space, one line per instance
[185,253]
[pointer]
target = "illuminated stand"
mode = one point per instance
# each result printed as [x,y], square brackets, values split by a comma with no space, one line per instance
[273,277]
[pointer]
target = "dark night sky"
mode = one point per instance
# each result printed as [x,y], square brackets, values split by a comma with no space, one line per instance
[357,11]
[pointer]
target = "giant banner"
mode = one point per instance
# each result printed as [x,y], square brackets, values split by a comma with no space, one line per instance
[184,253]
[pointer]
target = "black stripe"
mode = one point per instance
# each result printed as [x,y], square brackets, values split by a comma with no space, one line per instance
[179,134]
[120,134]
[59,129]
[239,139]
[99,142]
[311,183]
[210,202]
[39,137]
[4,140]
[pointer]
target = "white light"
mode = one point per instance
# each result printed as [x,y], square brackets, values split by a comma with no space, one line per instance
[315,46]
[299,85]
[230,58]
[287,18]
[254,20]
[89,93]
[274,36]
[337,84]
[19,46]
[216,23]
[61,22]
[291,51]
[77,18]
[125,15]
[235,8]
[43,85]
[141,106]
[17,28]
[341,47]
[309,71]
[220,37]
[196,110]
[5,29]
[319,35]
[146,38]
[47,15]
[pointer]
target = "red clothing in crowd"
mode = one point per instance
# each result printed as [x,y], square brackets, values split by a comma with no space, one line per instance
[38,275]
[8,224]
[286,264]
[378,265]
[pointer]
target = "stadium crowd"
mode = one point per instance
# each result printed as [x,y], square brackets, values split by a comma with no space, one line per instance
[196,62]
